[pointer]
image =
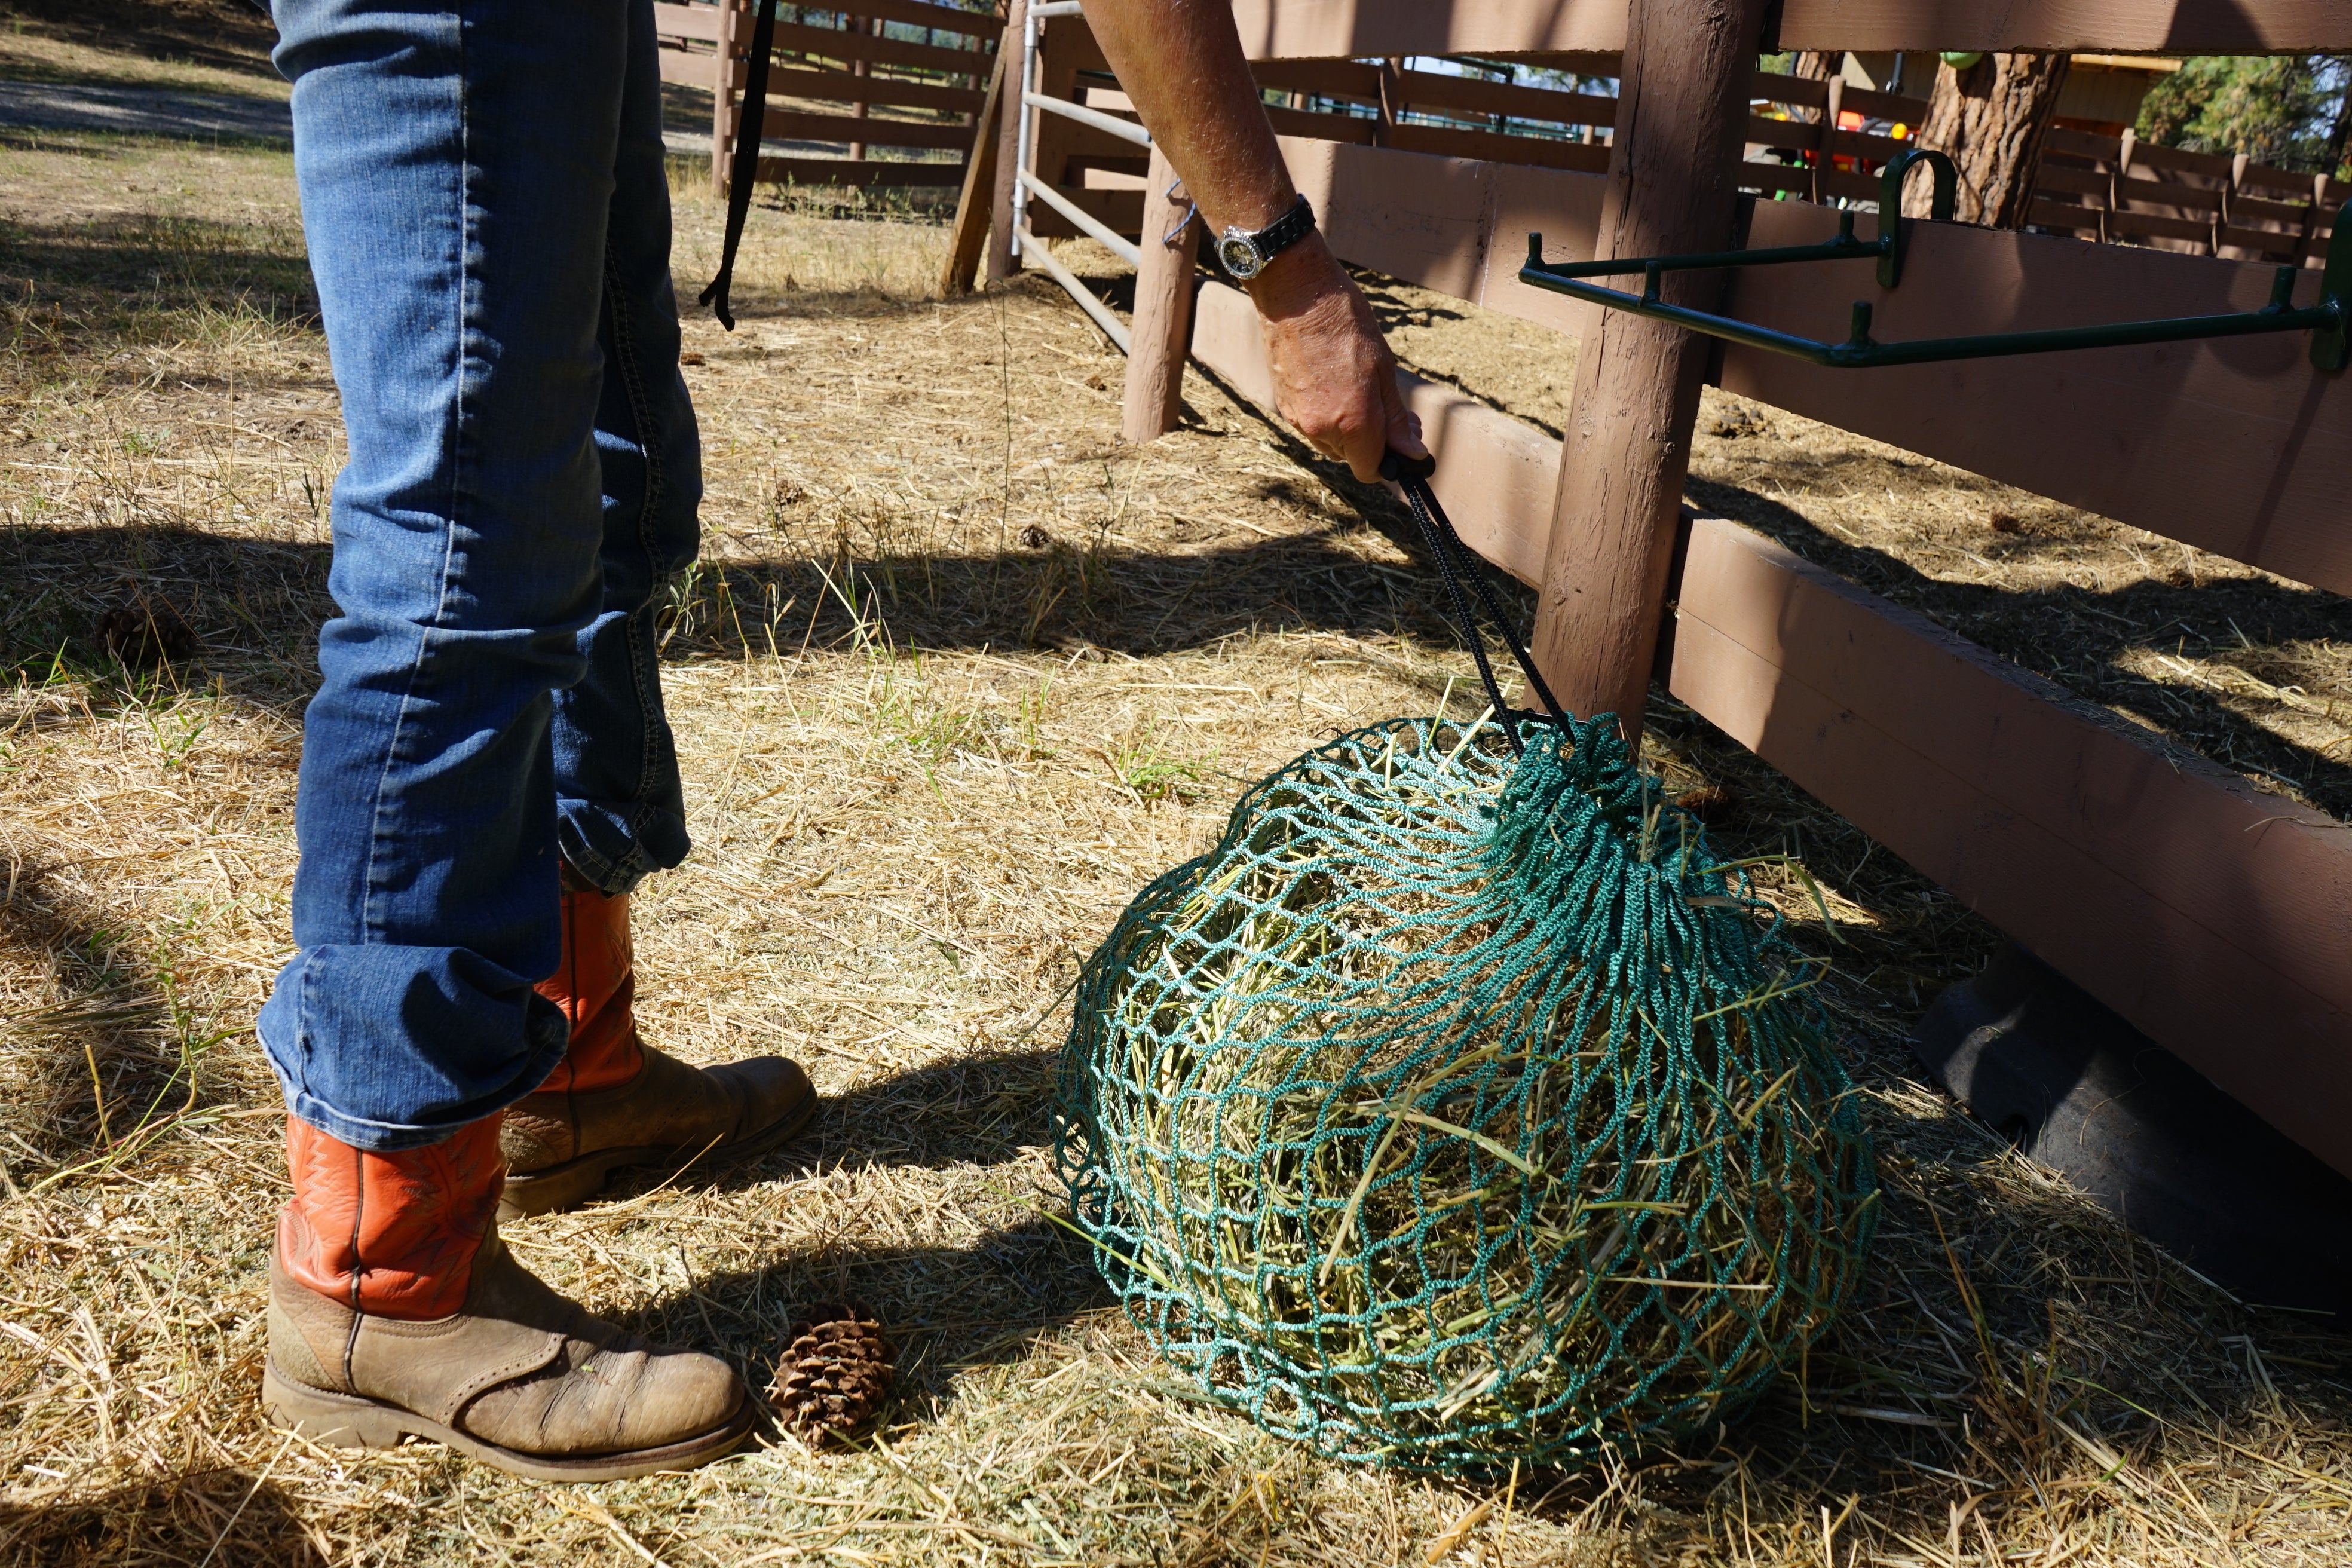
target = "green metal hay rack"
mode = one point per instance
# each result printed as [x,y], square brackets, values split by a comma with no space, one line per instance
[2326,320]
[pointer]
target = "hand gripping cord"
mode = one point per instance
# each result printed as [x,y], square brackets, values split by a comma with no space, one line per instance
[1455,563]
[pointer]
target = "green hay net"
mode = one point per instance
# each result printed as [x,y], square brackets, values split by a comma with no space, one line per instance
[1458,1109]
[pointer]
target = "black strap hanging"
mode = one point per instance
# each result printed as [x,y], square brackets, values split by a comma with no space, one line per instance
[1454,564]
[751,129]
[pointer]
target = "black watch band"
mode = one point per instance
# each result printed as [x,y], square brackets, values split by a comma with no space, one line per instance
[1243,255]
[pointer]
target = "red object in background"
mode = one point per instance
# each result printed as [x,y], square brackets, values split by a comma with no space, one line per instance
[1848,120]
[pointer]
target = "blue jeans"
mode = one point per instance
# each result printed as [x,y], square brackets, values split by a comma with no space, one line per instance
[488,217]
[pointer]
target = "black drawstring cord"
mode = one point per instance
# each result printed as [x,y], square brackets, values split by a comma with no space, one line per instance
[1454,562]
[750,130]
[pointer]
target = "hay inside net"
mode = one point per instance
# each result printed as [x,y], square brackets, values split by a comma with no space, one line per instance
[1454,1110]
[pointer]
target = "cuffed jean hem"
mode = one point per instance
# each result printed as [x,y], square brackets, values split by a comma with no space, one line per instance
[391,1137]
[609,876]
[419,1083]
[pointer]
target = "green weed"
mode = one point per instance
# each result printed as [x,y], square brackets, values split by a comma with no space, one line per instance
[1150,775]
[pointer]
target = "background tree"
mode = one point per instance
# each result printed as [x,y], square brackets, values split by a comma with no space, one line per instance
[1815,64]
[1989,112]
[2291,111]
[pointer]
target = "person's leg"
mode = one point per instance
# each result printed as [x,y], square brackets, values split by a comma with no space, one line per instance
[620,812]
[612,1100]
[620,809]
[455,160]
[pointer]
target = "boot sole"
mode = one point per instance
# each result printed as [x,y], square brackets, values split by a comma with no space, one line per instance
[575,1182]
[348,1421]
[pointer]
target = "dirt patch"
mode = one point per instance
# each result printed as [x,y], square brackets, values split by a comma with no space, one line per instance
[956,675]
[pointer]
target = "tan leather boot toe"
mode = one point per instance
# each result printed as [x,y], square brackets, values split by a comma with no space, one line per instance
[518,1378]
[395,1312]
[561,1144]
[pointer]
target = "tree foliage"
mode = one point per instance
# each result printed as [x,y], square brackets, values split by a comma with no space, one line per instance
[2286,110]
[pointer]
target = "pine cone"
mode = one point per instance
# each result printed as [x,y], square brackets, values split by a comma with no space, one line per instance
[1711,804]
[146,631]
[835,1375]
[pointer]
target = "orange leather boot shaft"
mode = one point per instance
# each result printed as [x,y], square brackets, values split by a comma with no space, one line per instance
[391,1235]
[595,984]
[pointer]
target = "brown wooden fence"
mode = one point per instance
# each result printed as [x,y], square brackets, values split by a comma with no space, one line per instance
[1356,103]
[2119,188]
[2114,189]
[884,95]
[2215,917]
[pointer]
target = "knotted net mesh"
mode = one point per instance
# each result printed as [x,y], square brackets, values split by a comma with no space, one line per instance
[1456,1109]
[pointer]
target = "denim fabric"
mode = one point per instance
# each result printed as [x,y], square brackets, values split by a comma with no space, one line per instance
[487,218]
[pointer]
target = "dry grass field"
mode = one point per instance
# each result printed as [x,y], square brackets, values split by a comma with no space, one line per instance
[959,673]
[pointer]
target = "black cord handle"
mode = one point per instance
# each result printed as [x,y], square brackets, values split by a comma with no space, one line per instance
[750,130]
[1455,563]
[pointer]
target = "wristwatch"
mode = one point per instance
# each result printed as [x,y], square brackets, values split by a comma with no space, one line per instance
[1244,255]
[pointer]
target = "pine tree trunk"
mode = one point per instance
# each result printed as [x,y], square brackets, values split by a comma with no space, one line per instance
[1818,65]
[1991,117]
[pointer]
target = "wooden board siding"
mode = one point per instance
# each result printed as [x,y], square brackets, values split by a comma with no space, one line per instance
[2215,918]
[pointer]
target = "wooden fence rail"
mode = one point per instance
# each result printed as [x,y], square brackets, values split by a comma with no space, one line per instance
[2241,448]
[842,77]
[2113,189]
[2119,188]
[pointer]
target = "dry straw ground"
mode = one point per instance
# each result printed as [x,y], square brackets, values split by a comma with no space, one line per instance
[957,673]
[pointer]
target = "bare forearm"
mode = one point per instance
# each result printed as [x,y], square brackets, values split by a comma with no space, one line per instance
[1181,64]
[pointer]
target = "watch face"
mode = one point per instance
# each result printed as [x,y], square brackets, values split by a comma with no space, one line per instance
[1240,257]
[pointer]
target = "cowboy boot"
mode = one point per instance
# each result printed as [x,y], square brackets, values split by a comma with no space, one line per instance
[614,1100]
[395,1311]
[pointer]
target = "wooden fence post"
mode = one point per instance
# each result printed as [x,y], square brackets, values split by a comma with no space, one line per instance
[1825,138]
[1391,104]
[2312,217]
[863,27]
[972,218]
[1011,48]
[1682,127]
[2126,145]
[732,17]
[1162,330]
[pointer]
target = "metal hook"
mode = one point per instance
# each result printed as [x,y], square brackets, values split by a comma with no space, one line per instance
[1942,199]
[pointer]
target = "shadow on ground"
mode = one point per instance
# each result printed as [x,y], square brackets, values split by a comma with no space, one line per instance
[104,1067]
[222,1515]
[66,290]
[256,605]
[948,1308]
[226,34]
